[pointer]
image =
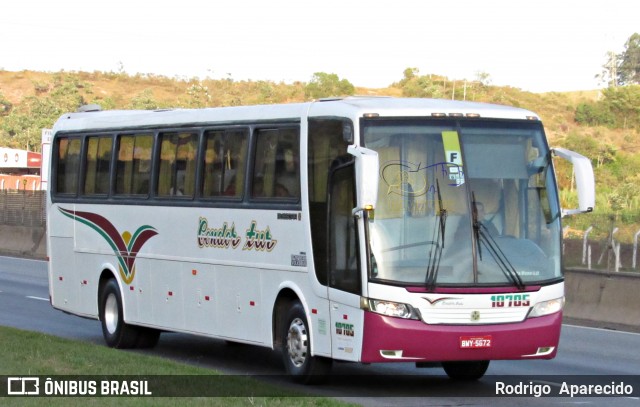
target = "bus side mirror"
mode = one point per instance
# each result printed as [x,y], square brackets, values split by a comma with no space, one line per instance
[347,132]
[367,170]
[585,181]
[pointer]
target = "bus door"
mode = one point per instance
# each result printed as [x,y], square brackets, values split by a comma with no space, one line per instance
[343,265]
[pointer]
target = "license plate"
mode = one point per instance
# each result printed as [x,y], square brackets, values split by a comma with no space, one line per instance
[475,342]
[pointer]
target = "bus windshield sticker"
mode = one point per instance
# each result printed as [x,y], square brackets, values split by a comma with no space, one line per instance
[404,178]
[219,238]
[125,246]
[453,156]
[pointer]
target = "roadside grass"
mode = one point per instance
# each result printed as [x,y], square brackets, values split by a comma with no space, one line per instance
[24,353]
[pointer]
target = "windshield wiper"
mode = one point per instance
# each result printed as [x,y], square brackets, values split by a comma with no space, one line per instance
[476,224]
[435,253]
[483,237]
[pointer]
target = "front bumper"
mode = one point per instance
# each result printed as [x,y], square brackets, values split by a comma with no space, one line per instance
[388,339]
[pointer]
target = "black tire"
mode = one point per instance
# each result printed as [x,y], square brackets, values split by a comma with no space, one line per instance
[116,332]
[468,371]
[296,349]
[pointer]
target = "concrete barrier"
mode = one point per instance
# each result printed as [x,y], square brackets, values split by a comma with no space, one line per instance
[23,241]
[603,296]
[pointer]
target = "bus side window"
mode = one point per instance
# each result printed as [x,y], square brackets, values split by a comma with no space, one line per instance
[224,163]
[98,164]
[68,165]
[177,169]
[133,169]
[277,164]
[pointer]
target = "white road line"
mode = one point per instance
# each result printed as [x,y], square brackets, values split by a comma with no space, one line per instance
[602,329]
[37,298]
[23,259]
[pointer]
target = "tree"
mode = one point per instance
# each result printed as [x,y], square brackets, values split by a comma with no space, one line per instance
[484,78]
[618,108]
[409,74]
[198,95]
[414,85]
[22,127]
[326,85]
[594,114]
[144,101]
[629,62]
[624,103]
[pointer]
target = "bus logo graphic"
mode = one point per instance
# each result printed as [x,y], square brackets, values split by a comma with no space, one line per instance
[259,240]
[221,238]
[125,246]
[449,300]
[23,386]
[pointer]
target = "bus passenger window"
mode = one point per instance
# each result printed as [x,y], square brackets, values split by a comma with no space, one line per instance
[277,164]
[224,163]
[177,169]
[68,165]
[98,162]
[133,169]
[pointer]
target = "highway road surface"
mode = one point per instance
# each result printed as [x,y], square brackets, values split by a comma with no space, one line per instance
[599,354]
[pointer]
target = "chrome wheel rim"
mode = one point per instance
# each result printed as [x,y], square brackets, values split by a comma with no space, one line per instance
[111,314]
[297,342]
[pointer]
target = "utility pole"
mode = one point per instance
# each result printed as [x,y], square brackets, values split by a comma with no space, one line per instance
[613,69]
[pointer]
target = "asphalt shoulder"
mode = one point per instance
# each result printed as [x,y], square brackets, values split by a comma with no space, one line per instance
[601,324]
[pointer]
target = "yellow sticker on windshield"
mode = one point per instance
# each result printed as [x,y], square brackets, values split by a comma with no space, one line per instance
[453,156]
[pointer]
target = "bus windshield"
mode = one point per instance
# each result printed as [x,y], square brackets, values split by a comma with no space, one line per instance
[463,203]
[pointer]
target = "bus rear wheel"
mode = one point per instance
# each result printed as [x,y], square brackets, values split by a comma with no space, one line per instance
[296,349]
[117,334]
[472,370]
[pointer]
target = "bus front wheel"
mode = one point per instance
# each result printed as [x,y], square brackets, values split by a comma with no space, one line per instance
[116,332]
[296,349]
[472,370]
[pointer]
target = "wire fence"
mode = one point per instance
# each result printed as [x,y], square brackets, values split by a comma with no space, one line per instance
[22,208]
[602,242]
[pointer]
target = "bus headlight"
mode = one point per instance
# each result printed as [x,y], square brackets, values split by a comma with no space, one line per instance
[547,307]
[390,308]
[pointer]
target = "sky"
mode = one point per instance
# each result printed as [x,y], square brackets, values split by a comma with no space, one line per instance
[537,46]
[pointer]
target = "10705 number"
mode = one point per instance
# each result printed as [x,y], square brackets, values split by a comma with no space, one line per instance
[510,300]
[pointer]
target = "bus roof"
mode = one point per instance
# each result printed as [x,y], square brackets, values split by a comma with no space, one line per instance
[350,107]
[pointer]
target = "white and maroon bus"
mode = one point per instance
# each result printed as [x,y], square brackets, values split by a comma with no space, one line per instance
[356,229]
